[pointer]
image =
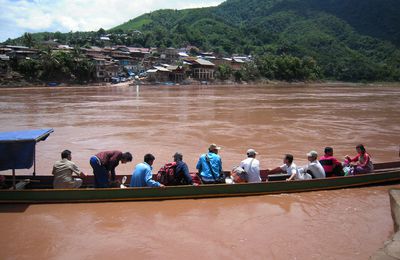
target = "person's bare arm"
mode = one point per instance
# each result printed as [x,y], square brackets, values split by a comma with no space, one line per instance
[275,171]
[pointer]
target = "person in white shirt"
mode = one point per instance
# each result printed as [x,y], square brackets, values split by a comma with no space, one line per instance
[289,167]
[252,166]
[314,167]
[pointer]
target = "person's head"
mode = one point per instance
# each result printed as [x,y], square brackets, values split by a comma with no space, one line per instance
[213,148]
[178,157]
[149,159]
[66,154]
[328,151]
[126,157]
[251,153]
[288,159]
[360,148]
[312,156]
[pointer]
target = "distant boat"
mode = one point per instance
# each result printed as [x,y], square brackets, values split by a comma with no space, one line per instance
[53,84]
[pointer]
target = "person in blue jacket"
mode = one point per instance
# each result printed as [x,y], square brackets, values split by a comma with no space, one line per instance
[210,166]
[142,175]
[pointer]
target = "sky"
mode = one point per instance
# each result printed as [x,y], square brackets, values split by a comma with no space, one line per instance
[20,16]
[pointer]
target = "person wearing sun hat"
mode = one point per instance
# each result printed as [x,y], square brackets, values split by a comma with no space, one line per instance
[252,166]
[209,166]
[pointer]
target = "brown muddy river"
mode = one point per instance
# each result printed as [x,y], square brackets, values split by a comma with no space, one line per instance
[274,120]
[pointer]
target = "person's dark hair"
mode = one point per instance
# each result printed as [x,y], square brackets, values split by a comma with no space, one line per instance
[328,150]
[127,156]
[362,148]
[149,158]
[65,154]
[178,156]
[289,157]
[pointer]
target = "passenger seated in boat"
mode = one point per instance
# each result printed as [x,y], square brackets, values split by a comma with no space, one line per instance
[181,174]
[314,167]
[142,176]
[209,166]
[330,164]
[252,166]
[289,167]
[104,164]
[361,163]
[63,170]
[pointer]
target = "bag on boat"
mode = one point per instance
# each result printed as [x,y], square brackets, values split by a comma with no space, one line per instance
[239,174]
[348,170]
[166,174]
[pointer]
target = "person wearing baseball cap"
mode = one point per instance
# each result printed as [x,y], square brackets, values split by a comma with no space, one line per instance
[252,166]
[209,166]
[314,167]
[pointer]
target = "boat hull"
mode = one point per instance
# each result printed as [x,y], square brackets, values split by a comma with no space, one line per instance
[193,192]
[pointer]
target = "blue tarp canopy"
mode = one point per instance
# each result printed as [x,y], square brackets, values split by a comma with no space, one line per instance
[17,149]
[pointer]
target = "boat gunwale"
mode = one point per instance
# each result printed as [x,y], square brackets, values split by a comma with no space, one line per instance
[216,185]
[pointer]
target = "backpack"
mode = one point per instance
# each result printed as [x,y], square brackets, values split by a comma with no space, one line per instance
[166,174]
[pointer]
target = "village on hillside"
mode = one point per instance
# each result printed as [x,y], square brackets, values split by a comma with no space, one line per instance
[120,63]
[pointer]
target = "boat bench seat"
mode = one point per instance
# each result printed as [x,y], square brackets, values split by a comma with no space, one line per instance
[278,177]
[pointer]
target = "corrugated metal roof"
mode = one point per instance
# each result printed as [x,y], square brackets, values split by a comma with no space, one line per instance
[161,69]
[238,60]
[204,62]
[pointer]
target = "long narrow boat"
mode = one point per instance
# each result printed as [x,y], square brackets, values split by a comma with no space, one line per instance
[39,191]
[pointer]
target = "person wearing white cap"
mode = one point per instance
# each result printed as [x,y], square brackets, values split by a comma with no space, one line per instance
[210,166]
[252,166]
[314,167]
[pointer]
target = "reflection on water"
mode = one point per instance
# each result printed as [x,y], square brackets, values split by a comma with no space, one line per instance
[274,120]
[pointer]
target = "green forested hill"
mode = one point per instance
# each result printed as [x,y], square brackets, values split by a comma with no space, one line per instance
[348,39]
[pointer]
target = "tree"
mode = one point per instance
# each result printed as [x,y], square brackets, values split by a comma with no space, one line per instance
[29,68]
[101,32]
[28,40]
[224,72]
[249,71]
[55,66]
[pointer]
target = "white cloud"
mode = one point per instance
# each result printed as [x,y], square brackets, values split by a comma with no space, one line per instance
[19,16]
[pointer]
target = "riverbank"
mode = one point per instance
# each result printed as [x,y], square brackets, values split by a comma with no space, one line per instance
[391,249]
[320,83]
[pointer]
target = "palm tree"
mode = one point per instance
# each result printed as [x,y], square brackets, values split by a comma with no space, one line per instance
[28,40]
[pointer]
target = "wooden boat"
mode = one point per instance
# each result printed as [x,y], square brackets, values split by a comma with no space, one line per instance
[37,189]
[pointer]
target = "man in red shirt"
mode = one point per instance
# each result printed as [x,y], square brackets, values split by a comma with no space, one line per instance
[330,164]
[104,164]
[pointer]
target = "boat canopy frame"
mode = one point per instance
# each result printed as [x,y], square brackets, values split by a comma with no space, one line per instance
[18,149]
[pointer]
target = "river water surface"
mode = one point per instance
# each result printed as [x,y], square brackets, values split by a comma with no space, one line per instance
[274,120]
